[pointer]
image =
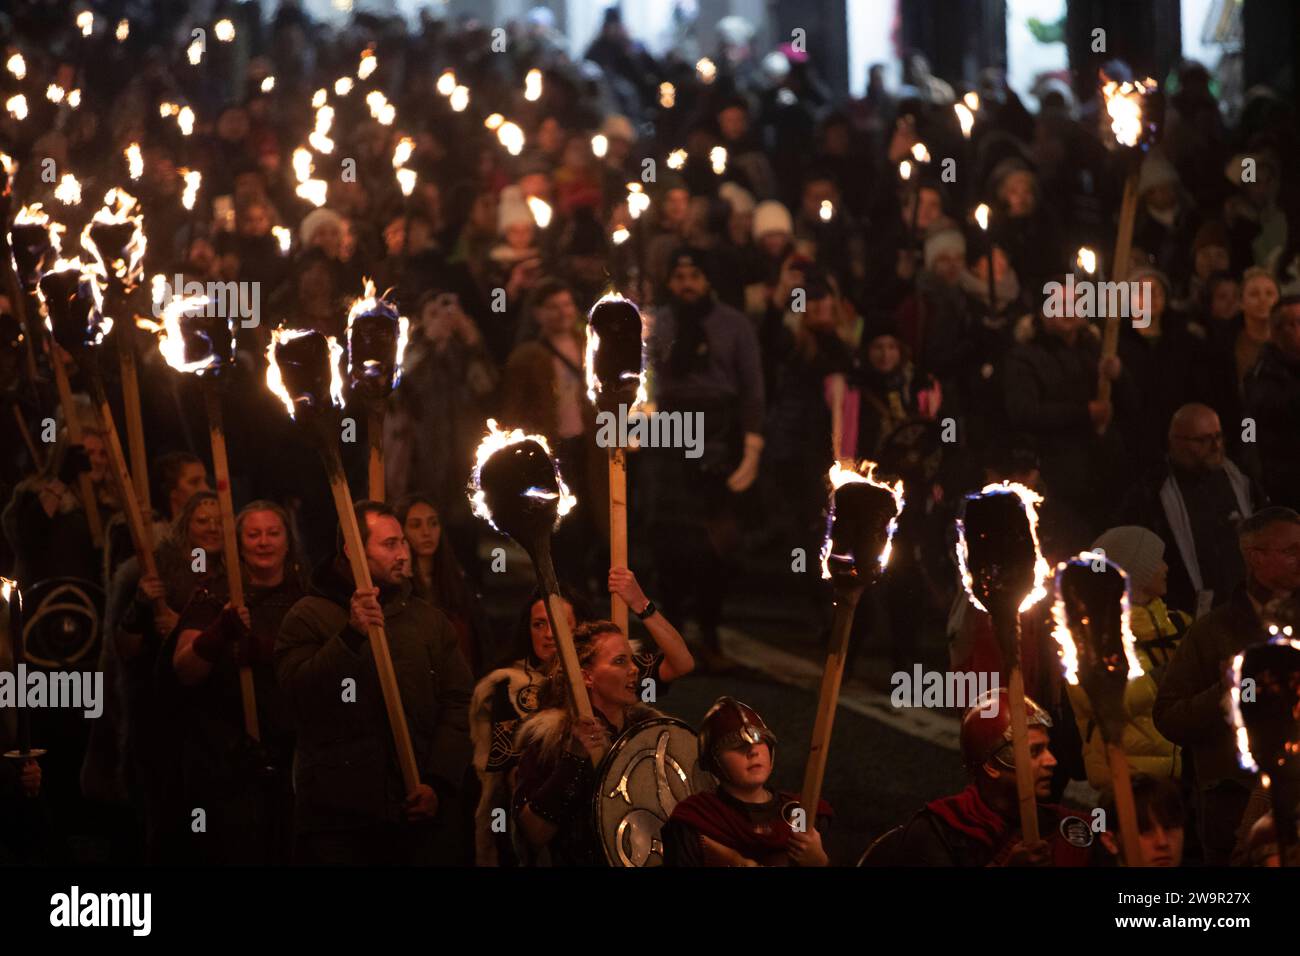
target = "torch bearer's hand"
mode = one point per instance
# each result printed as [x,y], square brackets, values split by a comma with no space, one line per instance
[151,589]
[1030,854]
[421,804]
[366,612]
[165,620]
[1100,412]
[744,476]
[591,735]
[623,583]
[1111,367]
[30,778]
[805,849]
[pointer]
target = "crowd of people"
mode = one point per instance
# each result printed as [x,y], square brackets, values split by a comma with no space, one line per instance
[800,292]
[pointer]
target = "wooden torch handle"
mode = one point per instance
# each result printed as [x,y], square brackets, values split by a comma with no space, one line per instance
[134,419]
[376,434]
[378,638]
[1020,746]
[1124,805]
[1119,266]
[618,528]
[221,465]
[74,434]
[827,700]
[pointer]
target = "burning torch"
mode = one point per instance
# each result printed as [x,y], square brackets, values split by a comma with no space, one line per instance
[861,520]
[12,285]
[516,487]
[1265,698]
[303,371]
[615,367]
[1005,574]
[1133,134]
[1091,617]
[377,334]
[194,340]
[13,598]
[115,240]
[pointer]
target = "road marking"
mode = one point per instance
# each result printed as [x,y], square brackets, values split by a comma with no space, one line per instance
[939,729]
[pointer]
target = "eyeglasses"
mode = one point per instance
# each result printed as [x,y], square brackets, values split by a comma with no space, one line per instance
[1202,440]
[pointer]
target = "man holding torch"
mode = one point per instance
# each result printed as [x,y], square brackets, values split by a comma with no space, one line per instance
[351,804]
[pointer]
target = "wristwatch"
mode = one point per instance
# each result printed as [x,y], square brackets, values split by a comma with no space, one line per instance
[649,611]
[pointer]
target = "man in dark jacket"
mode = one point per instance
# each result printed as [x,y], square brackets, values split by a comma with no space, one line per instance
[351,805]
[1050,387]
[1194,505]
[1191,706]
[1273,400]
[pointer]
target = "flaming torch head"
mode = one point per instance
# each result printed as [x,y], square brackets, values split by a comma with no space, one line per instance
[997,551]
[517,488]
[302,370]
[115,238]
[861,520]
[1266,705]
[72,306]
[33,238]
[1091,616]
[376,341]
[615,354]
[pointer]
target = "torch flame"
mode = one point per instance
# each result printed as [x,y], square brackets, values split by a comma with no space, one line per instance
[68,191]
[193,180]
[1065,638]
[677,159]
[123,30]
[17,66]
[667,95]
[493,442]
[368,302]
[620,235]
[224,30]
[83,269]
[707,70]
[17,106]
[268,84]
[446,84]
[972,101]
[134,161]
[369,63]
[406,180]
[185,120]
[86,21]
[343,86]
[275,382]
[119,207]
[1244,756]
[1124,107]
[1029,500]
[541,211]
[920,153]
[982,216]
[511,137]
[493,120]
[718,158]
[54,93]
[402,153]
[318,98]
[905,170]
[171,340]
[302,165]
[7,588]
[533,85]
[35,215]
[1086,260]
[863,474]
[965,117]
[599,145]
[314,191]
[283,236]
[593,345]
[459,99]
[827,210]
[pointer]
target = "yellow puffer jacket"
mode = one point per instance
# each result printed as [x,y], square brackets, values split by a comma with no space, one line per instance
[1157,631]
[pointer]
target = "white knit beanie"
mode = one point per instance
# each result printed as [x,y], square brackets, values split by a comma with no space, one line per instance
[512,209]
[772,216]
[1135,549]
[944,241]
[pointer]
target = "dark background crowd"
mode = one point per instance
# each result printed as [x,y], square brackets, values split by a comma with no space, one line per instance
[801,292]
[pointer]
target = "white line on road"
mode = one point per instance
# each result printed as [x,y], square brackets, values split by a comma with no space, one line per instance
[935,728]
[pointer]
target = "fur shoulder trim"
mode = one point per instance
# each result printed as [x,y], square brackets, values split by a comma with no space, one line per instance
[546,728]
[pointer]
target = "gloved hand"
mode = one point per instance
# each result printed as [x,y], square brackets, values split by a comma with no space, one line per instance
[75,462]
[747,471]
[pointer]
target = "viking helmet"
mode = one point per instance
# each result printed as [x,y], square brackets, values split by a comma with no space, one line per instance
[730,724]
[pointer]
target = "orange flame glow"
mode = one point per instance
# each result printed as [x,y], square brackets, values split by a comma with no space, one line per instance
[863,473]
[493,442]
[1029,500]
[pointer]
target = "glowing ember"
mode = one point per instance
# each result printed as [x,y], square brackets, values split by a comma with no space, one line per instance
[446,83]
[314,191]
[1086,260]
[1065,637]
[343,86]
[707,70]
[982,216]
[406,181]
[667,95]
[275,381]
[459,99]
[369,63]
[1029,500]
[533,85]
[718,159]
[964,117]
[282,236]
[677,159]
[599,145]
[193,180]
[224,31]
[494,441]
[126,261]
[402,153]
[827,210]
[68,191]
[864,473]
[17,106]
[541,211]
[17,66]
[511,137]
[1124,107]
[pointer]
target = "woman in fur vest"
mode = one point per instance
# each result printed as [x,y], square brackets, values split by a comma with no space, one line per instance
[560,752]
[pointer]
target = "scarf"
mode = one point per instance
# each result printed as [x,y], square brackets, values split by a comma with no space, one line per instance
[716,818]
[968,814]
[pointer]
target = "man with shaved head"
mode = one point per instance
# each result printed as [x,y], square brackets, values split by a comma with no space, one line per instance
[1194,505]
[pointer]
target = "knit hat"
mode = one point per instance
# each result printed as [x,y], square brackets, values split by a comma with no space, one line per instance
[1138,273]
[314,220]
[736,196]
[944,242]
[1135,549]
[512,209]
[1156,171]
[687,255]
[772,216]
